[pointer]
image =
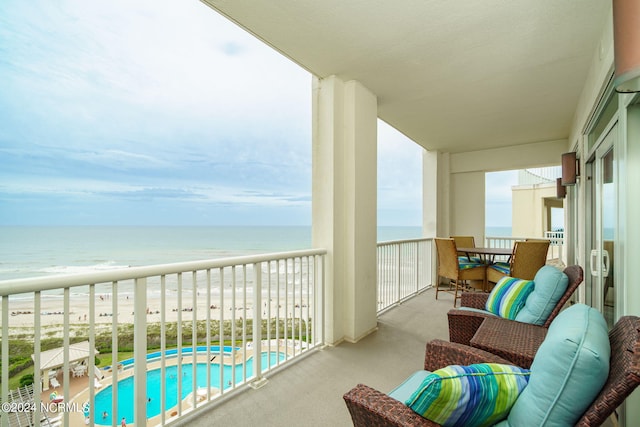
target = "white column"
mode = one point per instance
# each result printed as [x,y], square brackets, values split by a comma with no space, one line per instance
[345,203]
[429,193]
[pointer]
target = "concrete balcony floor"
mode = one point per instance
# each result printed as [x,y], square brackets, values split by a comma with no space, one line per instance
[309,393]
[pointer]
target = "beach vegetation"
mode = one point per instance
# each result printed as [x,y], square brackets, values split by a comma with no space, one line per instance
[26,380]
[21,349]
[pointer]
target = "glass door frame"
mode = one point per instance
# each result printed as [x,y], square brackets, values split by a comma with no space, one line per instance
[602,210]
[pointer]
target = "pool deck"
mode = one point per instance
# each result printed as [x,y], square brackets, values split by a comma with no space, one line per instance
[79,386]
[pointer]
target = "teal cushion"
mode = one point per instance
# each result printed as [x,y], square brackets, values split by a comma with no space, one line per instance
[569,369]
[411,384]
[550,285]
[508,296]
[474,395]
[477,310]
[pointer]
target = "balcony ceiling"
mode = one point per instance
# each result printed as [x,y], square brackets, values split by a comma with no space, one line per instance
[451,75]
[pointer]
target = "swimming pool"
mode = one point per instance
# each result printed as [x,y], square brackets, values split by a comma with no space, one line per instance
[125,387]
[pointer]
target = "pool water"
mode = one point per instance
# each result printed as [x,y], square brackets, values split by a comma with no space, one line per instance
[125,387]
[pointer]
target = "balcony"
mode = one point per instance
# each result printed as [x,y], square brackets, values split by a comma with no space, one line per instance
[179,308]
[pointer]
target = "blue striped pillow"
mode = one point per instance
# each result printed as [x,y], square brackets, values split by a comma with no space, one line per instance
[469,396]
[508,297]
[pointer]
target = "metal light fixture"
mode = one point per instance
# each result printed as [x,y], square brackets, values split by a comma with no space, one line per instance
[626,41]
[570,170]
[561,190]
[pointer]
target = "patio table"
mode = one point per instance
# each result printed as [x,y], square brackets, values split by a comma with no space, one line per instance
[486,254]
[515,341]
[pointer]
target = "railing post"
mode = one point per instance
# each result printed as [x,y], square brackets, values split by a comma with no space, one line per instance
[398,266]
[4,416]
[140,353]
[258,381]
[417,266]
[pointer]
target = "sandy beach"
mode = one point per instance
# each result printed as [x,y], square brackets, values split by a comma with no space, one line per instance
[22,310]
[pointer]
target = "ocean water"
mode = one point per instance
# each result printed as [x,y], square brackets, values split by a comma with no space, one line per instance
[497,231]
[40,251]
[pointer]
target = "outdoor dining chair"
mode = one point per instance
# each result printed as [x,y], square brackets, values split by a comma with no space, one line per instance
[457,271]
[526,259]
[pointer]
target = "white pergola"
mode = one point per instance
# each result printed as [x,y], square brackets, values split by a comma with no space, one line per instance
[53,359]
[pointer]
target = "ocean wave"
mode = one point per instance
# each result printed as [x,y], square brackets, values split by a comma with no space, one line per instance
[73,269]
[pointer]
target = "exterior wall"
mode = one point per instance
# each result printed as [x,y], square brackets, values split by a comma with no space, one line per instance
[531,207]
[628,160]
[344,204]
[467,201]
[630,230]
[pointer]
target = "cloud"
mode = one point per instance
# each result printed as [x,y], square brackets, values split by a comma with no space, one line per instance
[162,107]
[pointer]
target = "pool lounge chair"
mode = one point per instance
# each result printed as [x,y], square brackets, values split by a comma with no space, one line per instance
[54,383]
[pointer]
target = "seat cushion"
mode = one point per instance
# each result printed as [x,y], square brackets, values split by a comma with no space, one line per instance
[474,395]
[477,310]
[404,391]
[550,285]
[508,296]
[502,267]
[568,371]
[464,263]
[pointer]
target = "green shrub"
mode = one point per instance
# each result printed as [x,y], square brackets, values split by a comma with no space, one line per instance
[26,380]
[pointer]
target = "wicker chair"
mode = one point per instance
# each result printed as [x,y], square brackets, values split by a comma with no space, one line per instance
[526,259]
[369,407]
[463,324]
[466,242]
[450,268]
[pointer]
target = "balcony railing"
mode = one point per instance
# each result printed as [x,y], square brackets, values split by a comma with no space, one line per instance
[556,246]
[267,306]
[190,315]
[404,269]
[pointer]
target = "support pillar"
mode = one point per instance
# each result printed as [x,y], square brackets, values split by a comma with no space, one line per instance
[344,204]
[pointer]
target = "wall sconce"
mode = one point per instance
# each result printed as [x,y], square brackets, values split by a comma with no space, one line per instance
[570,170]
[626,44]
[561,190]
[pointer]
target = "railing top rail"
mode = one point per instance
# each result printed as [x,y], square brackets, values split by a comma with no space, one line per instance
[45,283]
[396,242]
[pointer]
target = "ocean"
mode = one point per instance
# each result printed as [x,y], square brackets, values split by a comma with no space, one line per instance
[40,251]
[497,231]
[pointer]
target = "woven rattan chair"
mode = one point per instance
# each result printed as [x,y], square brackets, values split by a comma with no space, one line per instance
[466,242]
[369,407]
[463,324]
[449,267]
[526,259]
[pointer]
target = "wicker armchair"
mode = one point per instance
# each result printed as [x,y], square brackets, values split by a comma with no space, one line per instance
[463,324]
[449,267]
[369,407]
[526,259]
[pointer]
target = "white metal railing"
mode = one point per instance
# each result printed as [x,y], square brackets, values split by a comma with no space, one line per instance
[269,305]
[556,246]
[535,176]
[404,269]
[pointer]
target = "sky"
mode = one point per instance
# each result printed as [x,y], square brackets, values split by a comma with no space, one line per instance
[159,112]
[498,207]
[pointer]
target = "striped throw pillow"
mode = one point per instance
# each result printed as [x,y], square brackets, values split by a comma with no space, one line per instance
[469,396]
[508,297]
